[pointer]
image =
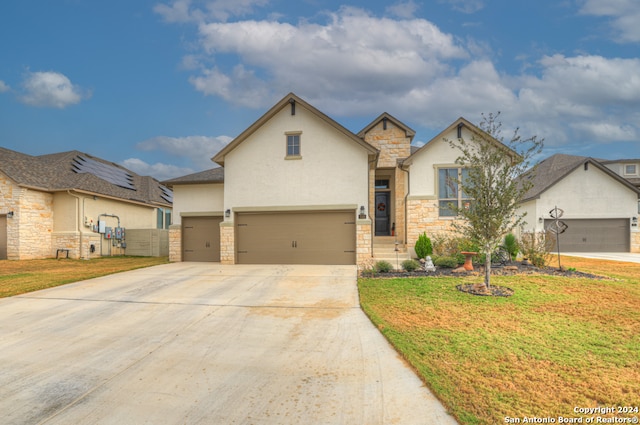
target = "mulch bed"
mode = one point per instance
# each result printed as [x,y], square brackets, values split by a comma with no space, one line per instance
[480,289]
[513,269]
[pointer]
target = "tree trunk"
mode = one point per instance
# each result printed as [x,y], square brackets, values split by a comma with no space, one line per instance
[487,269]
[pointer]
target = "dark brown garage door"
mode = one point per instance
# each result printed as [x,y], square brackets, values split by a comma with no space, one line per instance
[595,235]
[326,237]
[201,238]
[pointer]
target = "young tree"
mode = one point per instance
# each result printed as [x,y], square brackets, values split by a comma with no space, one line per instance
[491,182]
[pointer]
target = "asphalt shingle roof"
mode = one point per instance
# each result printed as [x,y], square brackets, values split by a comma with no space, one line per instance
[214,175]
[54,173]
[556,167]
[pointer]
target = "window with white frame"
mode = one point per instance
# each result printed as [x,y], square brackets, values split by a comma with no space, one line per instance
[630,169]
[163,218]
[451,195]
[293,145]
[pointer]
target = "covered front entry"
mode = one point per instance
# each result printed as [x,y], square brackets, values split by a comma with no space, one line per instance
[595,235]
[201,238]
[300,237]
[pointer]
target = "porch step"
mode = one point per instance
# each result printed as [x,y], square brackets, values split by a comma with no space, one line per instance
[384,249]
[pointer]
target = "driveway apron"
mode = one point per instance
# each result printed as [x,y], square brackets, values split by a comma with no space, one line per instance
[198,343]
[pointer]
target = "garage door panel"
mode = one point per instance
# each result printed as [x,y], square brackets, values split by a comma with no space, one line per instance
[296,238]
[201,239]
[595,235]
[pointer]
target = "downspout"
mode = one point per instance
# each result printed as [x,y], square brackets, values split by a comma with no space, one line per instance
[406,197]
[78,222]
[369,199]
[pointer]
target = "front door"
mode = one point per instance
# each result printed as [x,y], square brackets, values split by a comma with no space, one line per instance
[383,214]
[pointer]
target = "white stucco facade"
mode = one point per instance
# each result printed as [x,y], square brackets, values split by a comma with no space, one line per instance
[589,193]
[332,169]
[197,199]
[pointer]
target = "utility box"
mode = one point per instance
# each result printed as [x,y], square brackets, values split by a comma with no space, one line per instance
[102,225]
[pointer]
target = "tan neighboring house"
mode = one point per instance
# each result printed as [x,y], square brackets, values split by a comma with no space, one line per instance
[599,206]
[298,187]
[74,204]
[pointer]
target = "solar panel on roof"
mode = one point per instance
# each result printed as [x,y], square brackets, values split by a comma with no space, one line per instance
[109,173]
[167,194]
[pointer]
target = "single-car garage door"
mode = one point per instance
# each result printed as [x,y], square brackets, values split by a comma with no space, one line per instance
[201,238]
[320,237]
[595,235]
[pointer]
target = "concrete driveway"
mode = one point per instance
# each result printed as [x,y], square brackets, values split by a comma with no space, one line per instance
[629,257]
[191,343]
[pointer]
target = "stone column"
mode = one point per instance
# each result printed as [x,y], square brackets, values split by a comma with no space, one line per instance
[227,243]
[175,243]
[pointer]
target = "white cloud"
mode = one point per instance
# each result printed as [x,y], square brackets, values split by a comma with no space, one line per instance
[624,14]
[465,6]
[51,89]
[353,52]
[405,10]
[184,11]
[158,170]
[357,64]
[3,87]
[198,149]
[179,11]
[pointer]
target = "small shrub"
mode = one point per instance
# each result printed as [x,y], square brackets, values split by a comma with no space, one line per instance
[423,246]
[383,267]
[446,262]
[536,247]
[511,245]
[410,265]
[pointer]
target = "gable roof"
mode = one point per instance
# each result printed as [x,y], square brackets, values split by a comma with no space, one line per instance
[287,100]
[409,132]
[214,175]
[457,123]
[553,169]
[61,172]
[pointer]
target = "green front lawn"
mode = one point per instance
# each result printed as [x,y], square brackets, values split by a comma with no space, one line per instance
[19,277]
[558,343]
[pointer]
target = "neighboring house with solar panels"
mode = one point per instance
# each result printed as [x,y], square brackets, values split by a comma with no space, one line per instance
[71,203]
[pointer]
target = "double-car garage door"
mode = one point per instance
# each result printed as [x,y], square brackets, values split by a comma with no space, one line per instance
[315,237]
[318,237]
[595,235]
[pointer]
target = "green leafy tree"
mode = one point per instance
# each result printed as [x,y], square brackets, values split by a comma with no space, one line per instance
[493,166]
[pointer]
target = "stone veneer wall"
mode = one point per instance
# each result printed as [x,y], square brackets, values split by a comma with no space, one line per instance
[227,243]
[10,201]
[422,216]
[363,242]
[71,241]
[34,220]
[635,241]
[392,142]
[175,243]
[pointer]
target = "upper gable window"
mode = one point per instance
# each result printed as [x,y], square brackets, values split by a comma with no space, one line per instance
[293,145]
[630,169]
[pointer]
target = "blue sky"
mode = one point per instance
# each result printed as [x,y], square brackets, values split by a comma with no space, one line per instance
[160,86]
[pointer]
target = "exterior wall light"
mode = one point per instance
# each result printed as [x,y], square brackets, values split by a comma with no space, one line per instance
[10,214]
[227,213]
[634,221]
[362,214]
[540,220]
